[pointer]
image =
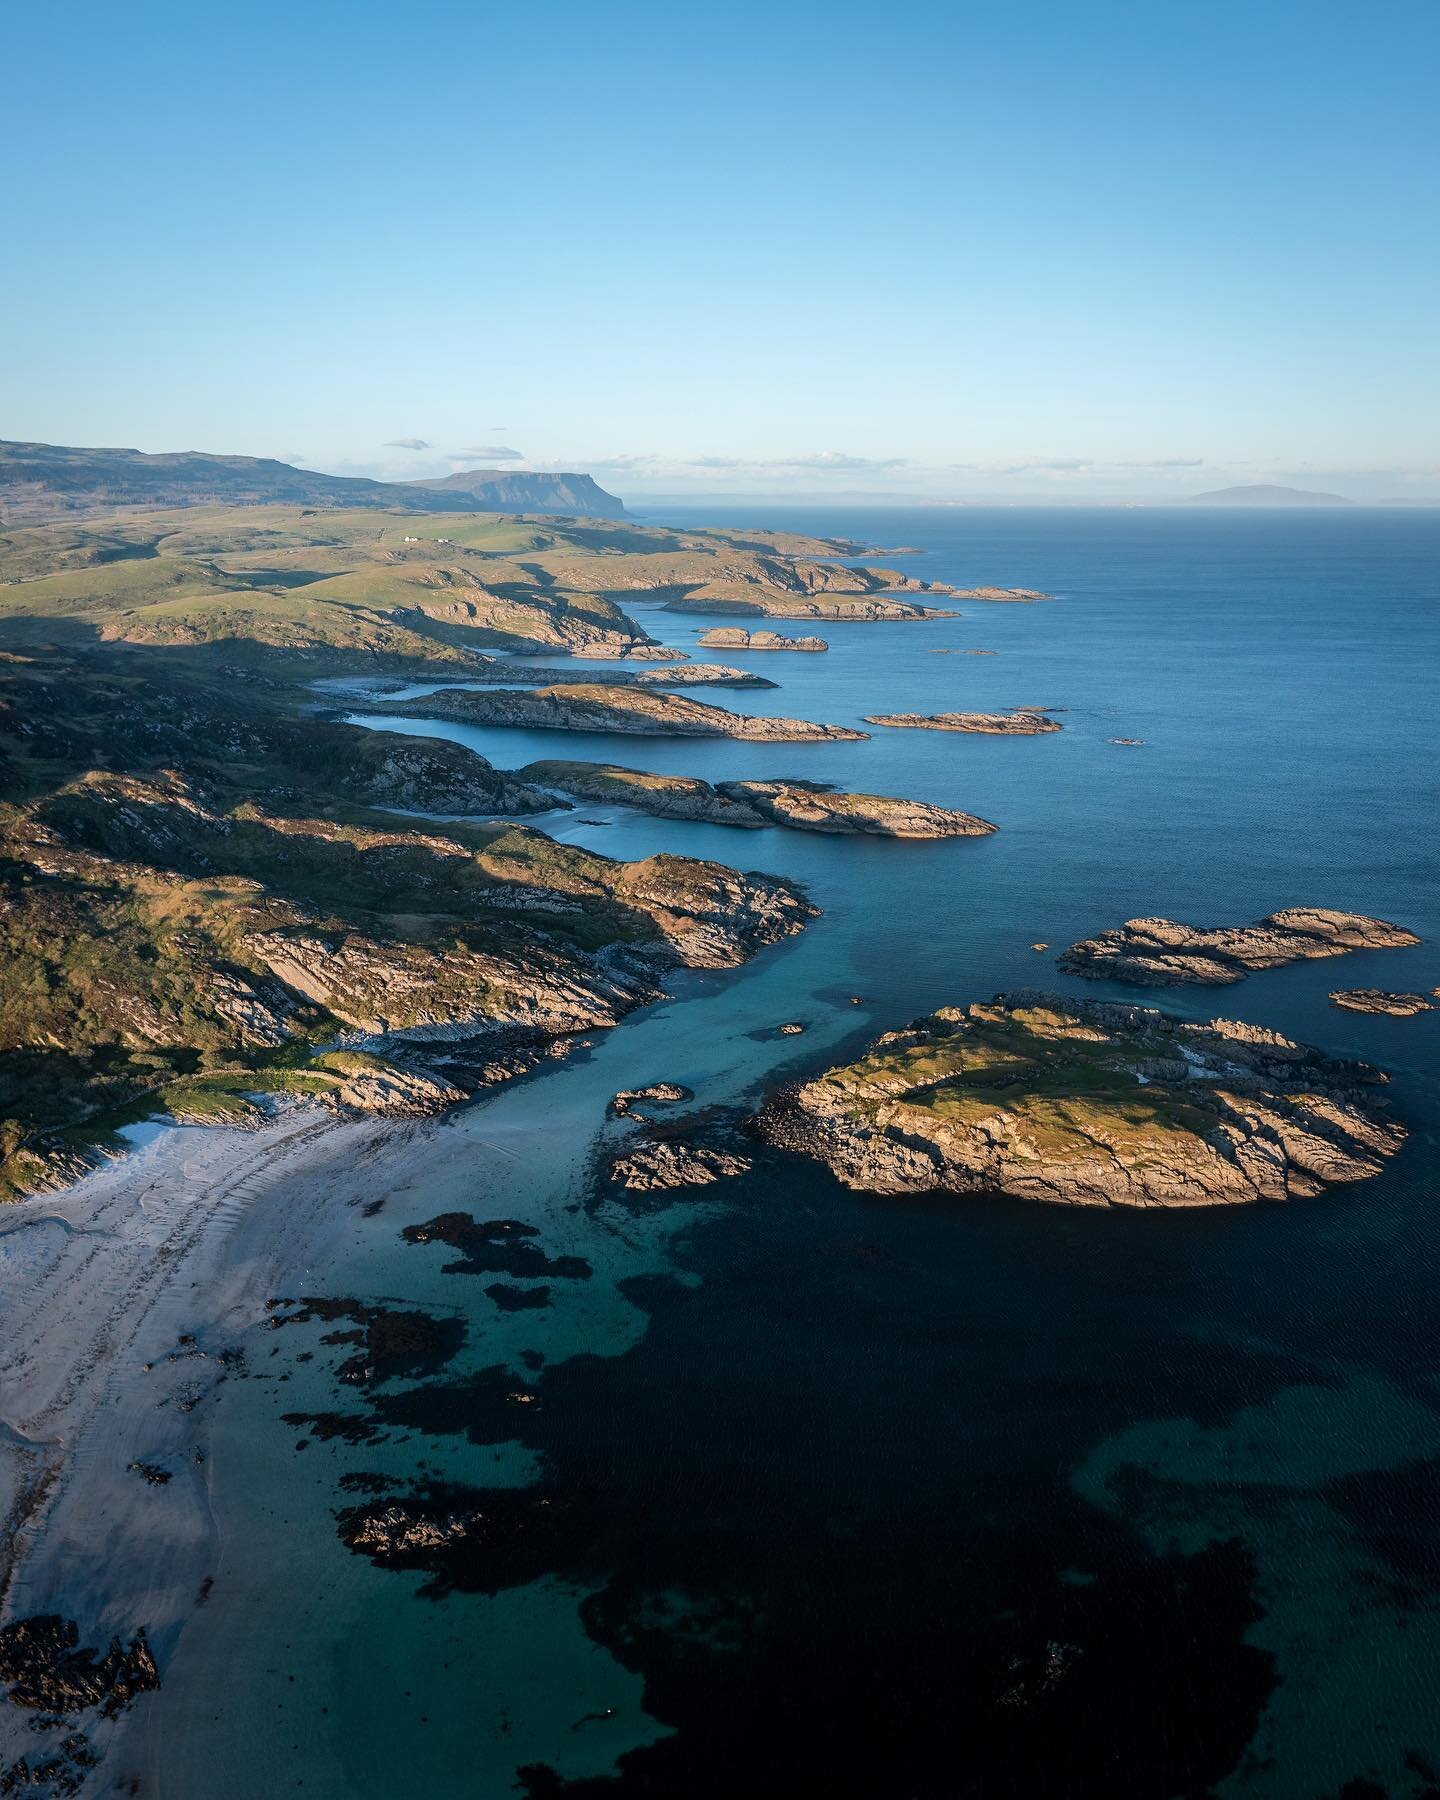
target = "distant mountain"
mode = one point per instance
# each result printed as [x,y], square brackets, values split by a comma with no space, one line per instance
[1262,495]
[493,490]
[52,481]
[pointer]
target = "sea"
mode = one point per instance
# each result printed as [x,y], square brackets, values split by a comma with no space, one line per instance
[905,1499]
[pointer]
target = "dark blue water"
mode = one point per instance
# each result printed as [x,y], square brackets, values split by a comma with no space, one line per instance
[931,1499]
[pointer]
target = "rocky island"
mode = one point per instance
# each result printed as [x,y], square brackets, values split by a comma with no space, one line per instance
[591,706]
[1162,953]
[735,637]
[1091,1104]
[1019,723]
[1377,1000]
[801,805]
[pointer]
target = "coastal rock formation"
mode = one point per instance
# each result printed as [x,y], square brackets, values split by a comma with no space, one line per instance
[474,1540]
[1376,1000]
[1087,1103]
[719,598]
[43,1668]
[585,706]
[650,1166]
[999,593]
[502,672]
[632,653]
[666,796]
[807,806]
[1162,953]
[801,805]
[433,775]
[734,637]
[1006,724]
[658,1093]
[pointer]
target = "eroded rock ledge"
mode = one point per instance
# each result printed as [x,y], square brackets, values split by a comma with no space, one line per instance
[1089,1103]
[801,805]
[1162,953]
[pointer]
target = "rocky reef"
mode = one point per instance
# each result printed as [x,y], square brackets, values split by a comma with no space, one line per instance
[43,1668]
[1088,1103]
[591,706]
[1019,723]
[735,637]
[1162,953]
[800,805]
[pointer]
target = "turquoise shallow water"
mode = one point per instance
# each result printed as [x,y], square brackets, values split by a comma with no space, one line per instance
[919,1498]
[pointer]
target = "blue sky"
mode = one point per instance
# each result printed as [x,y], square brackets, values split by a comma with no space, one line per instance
[1069,248]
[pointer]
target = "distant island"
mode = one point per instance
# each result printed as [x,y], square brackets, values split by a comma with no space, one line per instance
[40,482]
[1263,494]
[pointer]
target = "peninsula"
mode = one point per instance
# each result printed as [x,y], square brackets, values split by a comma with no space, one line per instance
[587,706]
[801,805]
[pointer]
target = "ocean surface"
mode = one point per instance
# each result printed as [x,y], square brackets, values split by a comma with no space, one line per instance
[920,1498]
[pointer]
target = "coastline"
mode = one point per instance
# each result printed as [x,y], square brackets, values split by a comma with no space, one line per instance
[182,1239]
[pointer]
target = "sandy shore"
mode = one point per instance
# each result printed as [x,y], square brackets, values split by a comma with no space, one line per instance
[118,1301]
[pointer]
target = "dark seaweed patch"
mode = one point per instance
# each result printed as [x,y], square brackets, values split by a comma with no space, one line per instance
[495,1247]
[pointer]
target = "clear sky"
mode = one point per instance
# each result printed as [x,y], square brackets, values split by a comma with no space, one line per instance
[1088,247]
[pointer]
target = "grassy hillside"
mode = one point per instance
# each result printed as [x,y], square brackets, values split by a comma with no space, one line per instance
[339,591]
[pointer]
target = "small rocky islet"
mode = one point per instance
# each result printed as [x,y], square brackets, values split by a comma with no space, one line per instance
[1165,953]
[734,637]
[1018,723]
[1382,1002]
[1040,1097]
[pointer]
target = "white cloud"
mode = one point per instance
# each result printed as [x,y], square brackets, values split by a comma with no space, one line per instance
[407,444]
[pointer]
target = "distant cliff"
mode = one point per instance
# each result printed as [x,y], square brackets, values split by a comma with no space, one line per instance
[52,481]
[496,490]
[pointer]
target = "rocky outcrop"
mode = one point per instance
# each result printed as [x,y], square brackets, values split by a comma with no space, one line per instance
[1084,1103]
[651,1167]
[687,674]
[593,707]
[734,637]
[432,775]
[658,1093]
[695,1151]
[807,806]
[1376,1000]
[666,796]
[866,609]
[800,805]
[43,1668]
[1006,724]
[1162,953]
[999,593]
[633,653]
